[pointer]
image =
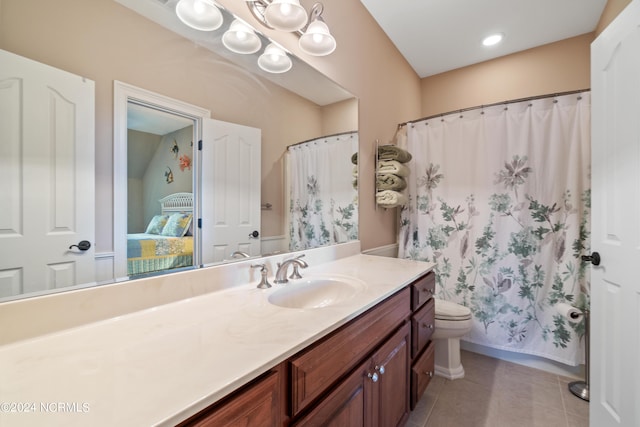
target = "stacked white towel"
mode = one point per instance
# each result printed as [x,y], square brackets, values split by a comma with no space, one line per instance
[391,164]
[390,199]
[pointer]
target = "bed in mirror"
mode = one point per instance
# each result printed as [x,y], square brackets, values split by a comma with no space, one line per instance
[119,44]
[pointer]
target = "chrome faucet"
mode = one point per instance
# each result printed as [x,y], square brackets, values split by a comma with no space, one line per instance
[264,283]
[240,254]
[281,273]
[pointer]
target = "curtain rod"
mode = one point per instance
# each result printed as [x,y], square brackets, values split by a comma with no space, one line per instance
[513,101]
[324,136]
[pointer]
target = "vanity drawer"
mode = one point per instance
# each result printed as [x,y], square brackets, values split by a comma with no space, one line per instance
[422,290]
[316,369]
[422,326]
[421,374]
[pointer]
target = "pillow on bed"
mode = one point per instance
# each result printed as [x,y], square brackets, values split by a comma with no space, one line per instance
[157,223]
[177,225]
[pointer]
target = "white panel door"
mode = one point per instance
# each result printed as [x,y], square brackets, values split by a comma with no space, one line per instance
[47,189]
[230,190]
[615,288]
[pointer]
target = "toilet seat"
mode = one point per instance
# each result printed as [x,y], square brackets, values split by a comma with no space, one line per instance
[450,311]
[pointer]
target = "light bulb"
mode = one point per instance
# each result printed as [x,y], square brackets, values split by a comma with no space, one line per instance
[199,7]
[285,9]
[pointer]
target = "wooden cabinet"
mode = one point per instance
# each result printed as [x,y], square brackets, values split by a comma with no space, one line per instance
[389,403]
[255,405]
[315,369]
[369,372]
[374,394]
[422,327]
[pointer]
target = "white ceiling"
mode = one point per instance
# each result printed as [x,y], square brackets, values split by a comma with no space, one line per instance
[441,35]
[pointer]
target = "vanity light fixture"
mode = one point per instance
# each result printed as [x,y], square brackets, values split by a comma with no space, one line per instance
[493,39]
[289,15]
[241,38]
[202,15]
[274,60]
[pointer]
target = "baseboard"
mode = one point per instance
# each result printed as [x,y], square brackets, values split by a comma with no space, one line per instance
[529,360]
[390,251]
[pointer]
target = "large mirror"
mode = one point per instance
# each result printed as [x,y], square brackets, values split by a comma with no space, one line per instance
[104,41]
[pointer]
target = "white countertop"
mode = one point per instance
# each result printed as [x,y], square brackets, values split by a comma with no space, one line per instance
[163,364]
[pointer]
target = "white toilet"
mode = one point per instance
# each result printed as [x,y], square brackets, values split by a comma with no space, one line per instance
[452,322]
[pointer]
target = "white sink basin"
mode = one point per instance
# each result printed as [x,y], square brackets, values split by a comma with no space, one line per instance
[316,292]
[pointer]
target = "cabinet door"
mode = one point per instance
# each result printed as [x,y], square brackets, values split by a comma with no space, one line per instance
[255,406]
[315,369]
[345,406]
[390,396]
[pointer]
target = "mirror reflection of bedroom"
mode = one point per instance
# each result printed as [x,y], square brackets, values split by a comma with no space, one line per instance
[159,191]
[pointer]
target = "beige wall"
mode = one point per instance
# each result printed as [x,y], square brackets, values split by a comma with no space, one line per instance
[552,68]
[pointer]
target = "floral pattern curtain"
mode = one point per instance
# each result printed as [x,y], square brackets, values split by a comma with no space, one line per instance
[323,192]
[500,201]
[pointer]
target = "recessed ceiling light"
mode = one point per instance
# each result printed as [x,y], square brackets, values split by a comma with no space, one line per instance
[492,39]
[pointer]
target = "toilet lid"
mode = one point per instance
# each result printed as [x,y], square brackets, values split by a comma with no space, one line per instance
[447,310]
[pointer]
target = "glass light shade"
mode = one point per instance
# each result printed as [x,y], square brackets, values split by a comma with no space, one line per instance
[274,60]
[202,15]
[317,40]
[240,38]
[286,15]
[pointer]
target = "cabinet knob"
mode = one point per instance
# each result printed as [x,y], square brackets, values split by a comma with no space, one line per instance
[427,291]
[374,377]
[430,373]
[429,326]
[380,369]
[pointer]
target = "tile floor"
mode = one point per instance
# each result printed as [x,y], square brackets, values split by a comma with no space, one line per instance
[496,393]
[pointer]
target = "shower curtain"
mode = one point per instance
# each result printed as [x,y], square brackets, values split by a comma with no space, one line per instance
[500,201]
[323,191]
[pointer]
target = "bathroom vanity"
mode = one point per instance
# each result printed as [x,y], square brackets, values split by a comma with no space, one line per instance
[370,372]
[236,353]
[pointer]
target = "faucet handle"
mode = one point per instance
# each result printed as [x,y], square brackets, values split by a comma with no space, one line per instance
[295,274]
[264,283]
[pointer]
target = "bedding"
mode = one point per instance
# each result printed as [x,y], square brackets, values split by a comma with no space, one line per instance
[157,223]
[147,253]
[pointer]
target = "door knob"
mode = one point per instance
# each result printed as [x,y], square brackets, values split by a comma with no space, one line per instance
[254,234]
[83,245]
[594,258]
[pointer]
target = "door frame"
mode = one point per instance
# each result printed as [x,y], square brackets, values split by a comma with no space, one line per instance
[123,93]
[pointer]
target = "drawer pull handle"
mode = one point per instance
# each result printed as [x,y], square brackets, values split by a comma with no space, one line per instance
[427,291]
[380,369]
[430,373]
[429,326]
[374,377]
